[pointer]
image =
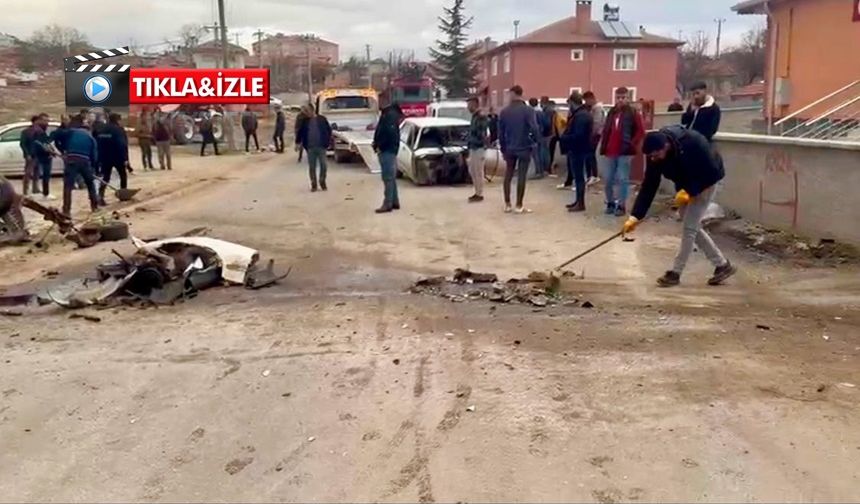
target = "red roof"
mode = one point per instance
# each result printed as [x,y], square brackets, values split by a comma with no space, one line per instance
[718,68]
[754,89]
[564,32]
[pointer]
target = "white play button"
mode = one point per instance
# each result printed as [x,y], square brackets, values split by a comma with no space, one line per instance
[97,89]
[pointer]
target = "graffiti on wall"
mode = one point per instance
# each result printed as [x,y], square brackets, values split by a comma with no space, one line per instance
[778,188]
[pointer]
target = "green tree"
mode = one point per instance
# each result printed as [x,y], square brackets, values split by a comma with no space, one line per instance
[453,60]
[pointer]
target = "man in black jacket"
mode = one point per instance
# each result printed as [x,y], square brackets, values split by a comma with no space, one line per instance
[703,114]
[42,154]
[280,127]
[518,136]
[576,143]
[479,142]
[30,164]
[684,157]
[386,143]
[315,137]
[113,153]
[208,133]
[249,126]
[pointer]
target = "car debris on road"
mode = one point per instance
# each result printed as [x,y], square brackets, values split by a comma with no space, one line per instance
[164,271]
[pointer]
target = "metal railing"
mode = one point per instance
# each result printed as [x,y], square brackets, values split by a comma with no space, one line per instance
[835,116]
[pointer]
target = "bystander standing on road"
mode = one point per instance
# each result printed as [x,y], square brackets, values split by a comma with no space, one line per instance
[518,131]
[479,142]
[576,143]
[315,137]
[386,143]
[684,157]
[280,128]
[249,126]
[493,120]
[207,131]
[703,114]
[161,135]
[80,157]
[622,139]
[300,120]
[43,154]
[541,137]
[30,164]
[145,139]
[112,154]
[559,123]
[598,114]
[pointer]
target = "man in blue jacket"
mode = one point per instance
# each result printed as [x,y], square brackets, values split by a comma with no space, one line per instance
[576,142]
[386,143]
[80,156]
[518,134]
[703,114]
[30,164]
[684,157]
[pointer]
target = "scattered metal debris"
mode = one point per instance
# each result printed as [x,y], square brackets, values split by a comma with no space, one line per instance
[164,271]
[88,318]
[462,276]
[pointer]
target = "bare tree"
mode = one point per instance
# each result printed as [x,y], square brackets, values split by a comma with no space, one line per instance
[694,56]
[190,34]
[749,57]
[48,45]
[356,69]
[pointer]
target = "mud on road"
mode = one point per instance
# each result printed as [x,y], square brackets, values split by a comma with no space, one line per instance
[340,385]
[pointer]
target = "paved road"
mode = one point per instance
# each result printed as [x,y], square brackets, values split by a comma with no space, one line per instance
[339,386]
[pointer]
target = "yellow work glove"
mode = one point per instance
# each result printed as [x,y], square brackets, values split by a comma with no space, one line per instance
[630,225]
[682,198]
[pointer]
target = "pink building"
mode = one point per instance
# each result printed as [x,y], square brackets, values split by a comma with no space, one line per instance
[281,46]
[579,54]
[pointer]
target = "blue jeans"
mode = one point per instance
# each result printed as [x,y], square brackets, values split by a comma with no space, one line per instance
[576,166]
[388,162]
[541,157]
[78,168]
[618,172]
[316,156]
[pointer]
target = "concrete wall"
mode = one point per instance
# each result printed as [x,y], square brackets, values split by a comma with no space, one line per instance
[806,186]
[739,120]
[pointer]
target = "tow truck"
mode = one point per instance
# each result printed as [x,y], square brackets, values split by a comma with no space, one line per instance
[353,114]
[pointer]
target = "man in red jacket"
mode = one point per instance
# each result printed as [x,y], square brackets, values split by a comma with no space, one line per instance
[622,138]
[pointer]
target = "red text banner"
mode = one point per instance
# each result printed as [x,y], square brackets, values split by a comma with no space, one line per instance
[201,86]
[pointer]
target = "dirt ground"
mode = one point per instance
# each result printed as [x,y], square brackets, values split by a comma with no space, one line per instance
[339,385]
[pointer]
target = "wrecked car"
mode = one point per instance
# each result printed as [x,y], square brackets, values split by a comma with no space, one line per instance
[433,150]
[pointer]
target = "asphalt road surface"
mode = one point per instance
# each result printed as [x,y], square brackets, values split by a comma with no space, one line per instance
[339,385]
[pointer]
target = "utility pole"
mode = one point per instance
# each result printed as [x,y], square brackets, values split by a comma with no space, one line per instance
[308,39]
[369,73]
[516,29]
[222,19]
[259,33]
[719,22]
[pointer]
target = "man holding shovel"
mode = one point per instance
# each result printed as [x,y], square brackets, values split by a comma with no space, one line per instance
[686,158]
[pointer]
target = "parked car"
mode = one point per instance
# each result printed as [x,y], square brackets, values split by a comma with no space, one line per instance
[433,150]
[450,109]
[11,159]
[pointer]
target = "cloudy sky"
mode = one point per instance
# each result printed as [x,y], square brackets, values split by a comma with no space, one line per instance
[384,24]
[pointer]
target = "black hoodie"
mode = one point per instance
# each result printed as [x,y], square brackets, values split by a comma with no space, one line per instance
[691,164]
[386,138]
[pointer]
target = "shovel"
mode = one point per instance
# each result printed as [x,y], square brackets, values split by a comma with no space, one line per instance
[121,194]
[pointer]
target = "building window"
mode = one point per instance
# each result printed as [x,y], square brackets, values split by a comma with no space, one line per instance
[626,60]
[507,62]
[575,90]
[577,55]
[632,93]
[495,66]
[494,101]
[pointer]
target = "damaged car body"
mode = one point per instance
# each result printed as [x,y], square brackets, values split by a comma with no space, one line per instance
[433,150]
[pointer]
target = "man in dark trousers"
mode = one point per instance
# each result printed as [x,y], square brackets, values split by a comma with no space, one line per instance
[703,114]
[161,134]
[300,121]
[280,127]
[518,135]
[113,154]
[42,154]
[576,143]
[621,140]
[30,164]
[493,120]
[386,143]
[685,157]
[207,131]
[249,126]
[80,156]
[315,137]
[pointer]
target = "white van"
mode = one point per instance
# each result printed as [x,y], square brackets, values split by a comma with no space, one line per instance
[450,110]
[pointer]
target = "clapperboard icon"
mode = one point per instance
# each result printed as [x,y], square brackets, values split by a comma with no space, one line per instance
[91,84]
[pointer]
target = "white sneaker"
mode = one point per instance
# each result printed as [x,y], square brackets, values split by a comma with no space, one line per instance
[561,187]
[593,180]
[509,209]
[50,197]
[521,210]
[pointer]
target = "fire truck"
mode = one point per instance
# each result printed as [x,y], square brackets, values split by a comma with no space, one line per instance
[410,88]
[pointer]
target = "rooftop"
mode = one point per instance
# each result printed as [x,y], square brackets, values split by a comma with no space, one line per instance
[215,46]
[752,6]
[564,32]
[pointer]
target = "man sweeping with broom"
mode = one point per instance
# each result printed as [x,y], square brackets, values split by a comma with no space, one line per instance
[686,158]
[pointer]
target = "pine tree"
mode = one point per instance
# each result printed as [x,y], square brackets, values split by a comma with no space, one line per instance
[453,60]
